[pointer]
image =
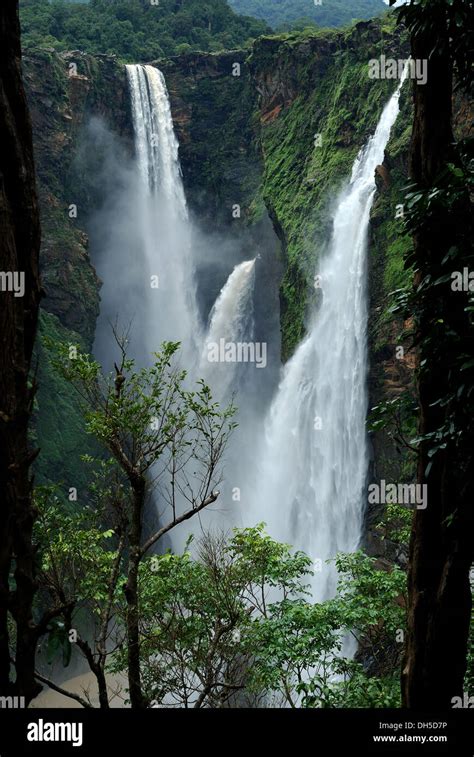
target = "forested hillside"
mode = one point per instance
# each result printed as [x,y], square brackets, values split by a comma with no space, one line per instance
[136,30]
[284,13]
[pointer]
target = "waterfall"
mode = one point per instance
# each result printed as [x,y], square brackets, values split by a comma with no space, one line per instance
[169,310]
[314,457]
[230,322]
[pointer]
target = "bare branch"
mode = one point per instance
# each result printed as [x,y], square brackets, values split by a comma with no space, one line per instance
[176,521]
[62,691]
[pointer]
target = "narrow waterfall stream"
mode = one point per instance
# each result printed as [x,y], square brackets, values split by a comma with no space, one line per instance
[162,223]
[230,322]
[313,463]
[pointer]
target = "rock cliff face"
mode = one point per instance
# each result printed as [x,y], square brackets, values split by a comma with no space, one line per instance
[63,92]
[213,102]
[274,135]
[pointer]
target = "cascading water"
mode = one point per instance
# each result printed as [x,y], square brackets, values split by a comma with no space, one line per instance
[161,220]
[230,322]
[164,232]
[313,465]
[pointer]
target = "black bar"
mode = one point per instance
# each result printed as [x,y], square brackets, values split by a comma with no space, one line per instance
[321,732]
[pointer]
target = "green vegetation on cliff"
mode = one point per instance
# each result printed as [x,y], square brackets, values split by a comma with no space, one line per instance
[320,107]
[136,30]
[284,13]
[389,244]
[57,424]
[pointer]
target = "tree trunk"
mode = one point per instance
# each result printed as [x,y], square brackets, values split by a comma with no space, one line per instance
[102,686]
[97,668]
[131,595]
[19,250]
[441,544]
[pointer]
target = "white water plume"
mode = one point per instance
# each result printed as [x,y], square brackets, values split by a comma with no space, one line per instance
[313,464]
[230,322]
[161,219]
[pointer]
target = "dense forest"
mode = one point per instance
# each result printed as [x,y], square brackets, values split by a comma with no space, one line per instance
[140,30]
[285,14]
[136,30]
[183,532]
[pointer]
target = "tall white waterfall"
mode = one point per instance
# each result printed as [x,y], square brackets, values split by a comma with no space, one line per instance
[313,462]
[230,322]
[161,219]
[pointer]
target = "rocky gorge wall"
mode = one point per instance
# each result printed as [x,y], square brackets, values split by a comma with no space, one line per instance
[64,90]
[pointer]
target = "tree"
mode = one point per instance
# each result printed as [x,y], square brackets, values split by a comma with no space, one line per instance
[199,617]
[228,626]
[439,213]
[19,251]
[234,626]
[287,13]
[303,652]
[81,577]
[167,441]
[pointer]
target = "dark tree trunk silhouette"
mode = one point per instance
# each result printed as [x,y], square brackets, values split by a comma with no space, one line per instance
[19,250]
[441,546]
[137,700]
